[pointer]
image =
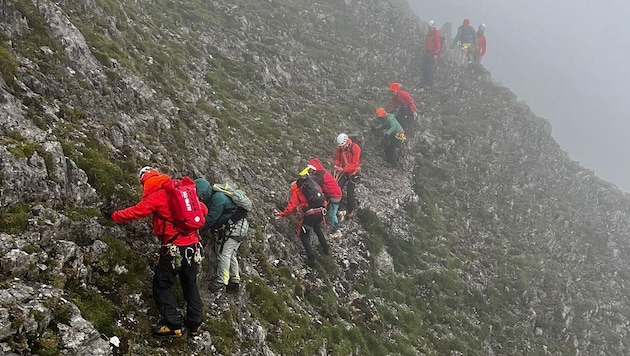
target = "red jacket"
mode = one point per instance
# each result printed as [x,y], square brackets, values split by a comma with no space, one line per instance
[481,44]
[325,180]
[348,158]
[296,201]
[433,43]
[402,99]
[154,201]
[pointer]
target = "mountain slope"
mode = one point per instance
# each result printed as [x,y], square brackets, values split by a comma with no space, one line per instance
[488,241]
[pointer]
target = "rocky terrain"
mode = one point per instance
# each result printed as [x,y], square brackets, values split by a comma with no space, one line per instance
[489,240]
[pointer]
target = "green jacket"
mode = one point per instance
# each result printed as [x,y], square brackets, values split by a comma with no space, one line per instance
[220,206]
[465,34]
[390,125]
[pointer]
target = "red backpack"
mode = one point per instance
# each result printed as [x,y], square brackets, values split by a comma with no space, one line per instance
[185,206]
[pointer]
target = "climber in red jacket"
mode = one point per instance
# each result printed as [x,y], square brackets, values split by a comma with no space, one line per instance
[347,164]
[180,254]
[432,48]
[331,190]
[404,106]
[481,43]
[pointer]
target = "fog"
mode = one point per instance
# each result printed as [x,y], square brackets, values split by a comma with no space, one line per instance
[568,60]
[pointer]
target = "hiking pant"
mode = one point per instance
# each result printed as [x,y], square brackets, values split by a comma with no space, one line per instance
[351,202]
[227,263]
[429,66]
[404,116]
[331,214]
[167,269]
[312,222]
[391,145]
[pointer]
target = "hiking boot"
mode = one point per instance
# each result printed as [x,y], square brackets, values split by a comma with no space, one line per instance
[341,215]
[217,287]
[194,331]
[165,331]
[232,288]
[336,234]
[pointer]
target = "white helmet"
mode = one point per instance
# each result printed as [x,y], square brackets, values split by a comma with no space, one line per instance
[342,139]
[144,170]
[482,26]
[431,23]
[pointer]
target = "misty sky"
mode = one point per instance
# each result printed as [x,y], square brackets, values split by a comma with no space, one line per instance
[569,60]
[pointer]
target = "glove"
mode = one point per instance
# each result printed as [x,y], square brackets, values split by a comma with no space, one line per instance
[108,211]
[401,136]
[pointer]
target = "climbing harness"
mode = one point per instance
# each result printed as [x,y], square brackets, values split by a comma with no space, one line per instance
[400,136]
[173,250]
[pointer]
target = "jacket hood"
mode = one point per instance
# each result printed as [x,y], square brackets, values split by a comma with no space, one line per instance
[154,183]
[317,164]
[204,188]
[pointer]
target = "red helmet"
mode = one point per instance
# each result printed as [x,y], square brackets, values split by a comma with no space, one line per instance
[380,112]
[466,21]
[394,87]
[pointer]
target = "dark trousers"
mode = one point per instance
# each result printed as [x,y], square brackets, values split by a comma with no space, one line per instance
[404,116]
[350,200]
[312,222]
[165,273]
[391,146]
[429,66]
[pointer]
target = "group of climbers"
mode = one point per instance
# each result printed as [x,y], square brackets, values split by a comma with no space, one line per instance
[472,46]
[316,197]
[472,43]
[181,252]
[315,179]
[396,123]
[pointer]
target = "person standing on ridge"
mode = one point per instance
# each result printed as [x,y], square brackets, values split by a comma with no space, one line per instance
[331,190]
[403,105]
[229,237]
[481,43]
[310,218]
[394,136]
[180,254]
[432,48]
[347,164]
[467,39]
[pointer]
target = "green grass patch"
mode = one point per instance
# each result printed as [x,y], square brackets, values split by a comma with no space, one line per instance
[15,219]
[98,310]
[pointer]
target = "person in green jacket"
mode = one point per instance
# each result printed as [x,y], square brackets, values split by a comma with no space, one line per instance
[229,237]
[394,135]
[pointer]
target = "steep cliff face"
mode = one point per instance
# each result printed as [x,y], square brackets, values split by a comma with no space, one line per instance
[488,240]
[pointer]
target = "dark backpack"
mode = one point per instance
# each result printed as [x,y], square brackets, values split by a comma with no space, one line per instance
[312,192]
[243,203]
[356,138]
[185,206]
[469,35]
